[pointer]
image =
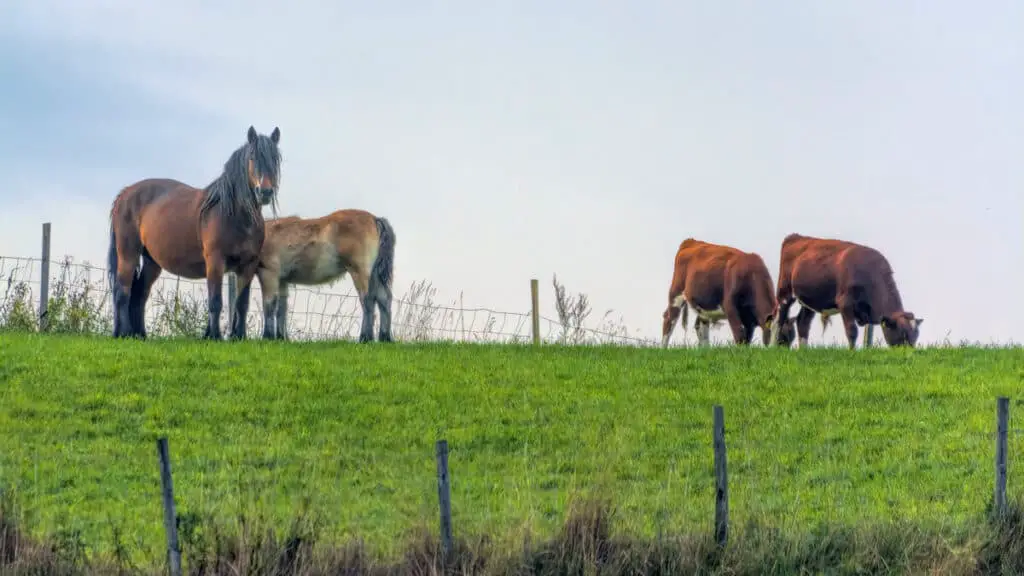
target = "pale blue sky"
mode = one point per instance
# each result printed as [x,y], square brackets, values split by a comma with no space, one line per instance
[517,140]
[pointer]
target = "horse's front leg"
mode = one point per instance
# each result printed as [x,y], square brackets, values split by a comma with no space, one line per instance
[269,283]
[244,284]
[282,312]
[214,291]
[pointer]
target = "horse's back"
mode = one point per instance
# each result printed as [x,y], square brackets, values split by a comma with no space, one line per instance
[317,250]
[137,197]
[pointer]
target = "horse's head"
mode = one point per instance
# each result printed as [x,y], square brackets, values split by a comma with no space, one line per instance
[264,166]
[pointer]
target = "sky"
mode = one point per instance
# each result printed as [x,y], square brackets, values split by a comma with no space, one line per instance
[517,140]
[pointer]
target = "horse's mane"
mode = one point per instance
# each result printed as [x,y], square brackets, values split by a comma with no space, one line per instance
[231,189]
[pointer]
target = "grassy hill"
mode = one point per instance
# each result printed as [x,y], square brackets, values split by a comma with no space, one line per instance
[821,437]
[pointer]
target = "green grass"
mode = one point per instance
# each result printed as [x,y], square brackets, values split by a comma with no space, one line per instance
[821,436]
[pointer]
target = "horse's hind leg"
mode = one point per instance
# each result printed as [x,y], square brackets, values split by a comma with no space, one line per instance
[140,290]
[127,263]
[381,294]
[361,280]
[383,298]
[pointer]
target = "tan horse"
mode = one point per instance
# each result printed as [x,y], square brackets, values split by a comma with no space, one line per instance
[193,233]
[321,250]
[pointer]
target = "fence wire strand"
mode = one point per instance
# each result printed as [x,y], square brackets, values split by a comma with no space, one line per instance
[80,301]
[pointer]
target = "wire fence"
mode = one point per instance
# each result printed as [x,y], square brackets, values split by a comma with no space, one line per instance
[848,468]
[79,300]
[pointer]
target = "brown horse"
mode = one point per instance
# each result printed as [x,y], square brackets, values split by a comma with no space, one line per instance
[193,233]
[320,251]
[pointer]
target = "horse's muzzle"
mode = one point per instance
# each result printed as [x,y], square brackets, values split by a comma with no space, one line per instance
[266,195]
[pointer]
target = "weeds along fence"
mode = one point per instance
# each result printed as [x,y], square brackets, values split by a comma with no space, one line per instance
[42,294]
[444,480]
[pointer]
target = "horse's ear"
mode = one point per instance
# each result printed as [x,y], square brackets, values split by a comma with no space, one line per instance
[252,135]
[275,136]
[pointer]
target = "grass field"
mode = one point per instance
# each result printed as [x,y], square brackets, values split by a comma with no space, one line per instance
[815,437]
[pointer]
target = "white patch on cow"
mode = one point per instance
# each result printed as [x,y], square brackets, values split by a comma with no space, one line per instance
[826,312]
[677,302]
[709,315]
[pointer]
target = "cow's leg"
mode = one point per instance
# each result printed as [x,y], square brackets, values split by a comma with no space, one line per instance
[803,324]
[735,318]
[784,297]
[703,329]
[676,303]
[850,324]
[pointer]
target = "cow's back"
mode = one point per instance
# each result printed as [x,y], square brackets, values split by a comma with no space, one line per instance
[863,266]
[748,278]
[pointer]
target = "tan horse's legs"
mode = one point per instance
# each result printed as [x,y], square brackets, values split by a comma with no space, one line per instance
[281,310]
[214,291]
[269,285]
[361,280]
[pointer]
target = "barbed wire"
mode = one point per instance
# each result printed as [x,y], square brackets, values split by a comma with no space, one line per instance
[80,300]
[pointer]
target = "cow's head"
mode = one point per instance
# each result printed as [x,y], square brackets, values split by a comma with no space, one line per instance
[901,328]
[786,331]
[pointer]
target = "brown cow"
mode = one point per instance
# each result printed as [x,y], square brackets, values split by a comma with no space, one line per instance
[829,276]
[721,282]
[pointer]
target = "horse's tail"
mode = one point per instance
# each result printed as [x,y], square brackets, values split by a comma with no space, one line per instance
[383,267]
[112,258]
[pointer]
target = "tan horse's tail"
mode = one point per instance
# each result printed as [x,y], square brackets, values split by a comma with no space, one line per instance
[383,267]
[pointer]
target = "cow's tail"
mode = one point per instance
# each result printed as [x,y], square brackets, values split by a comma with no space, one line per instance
[826,319]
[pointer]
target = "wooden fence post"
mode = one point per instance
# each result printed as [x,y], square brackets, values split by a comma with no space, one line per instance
[444,496]
[1002,429]
[869,335]
[535,308]
[232,295]
[170,515]
[44,280]
[721,480]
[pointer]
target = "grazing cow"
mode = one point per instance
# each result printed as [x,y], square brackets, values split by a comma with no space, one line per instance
[829,276]
[721,282]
